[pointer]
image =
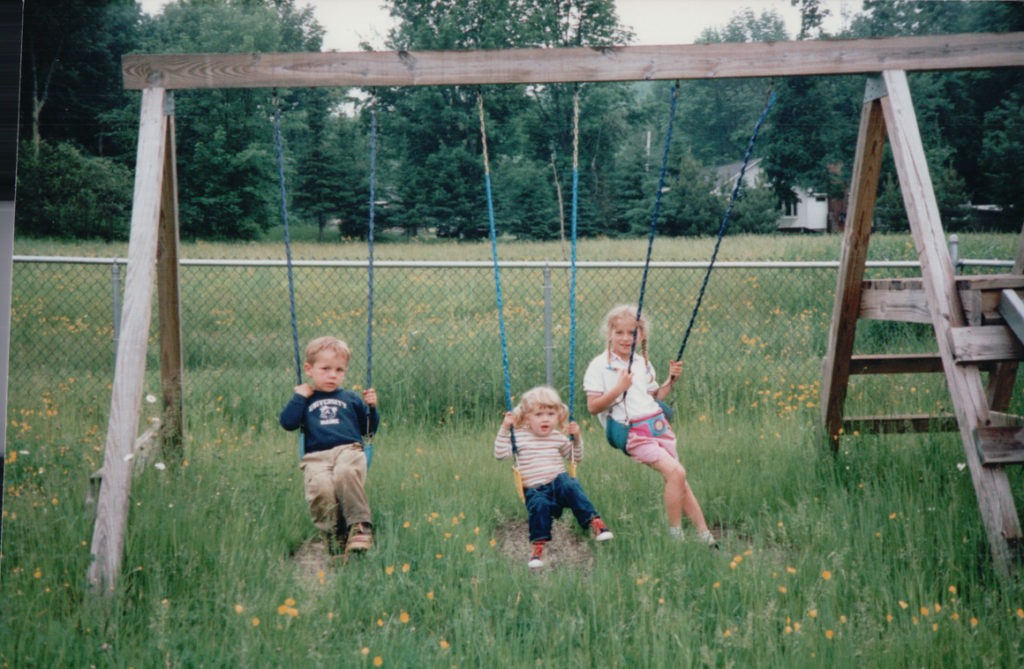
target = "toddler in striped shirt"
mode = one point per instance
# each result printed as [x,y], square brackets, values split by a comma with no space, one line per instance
[533,434]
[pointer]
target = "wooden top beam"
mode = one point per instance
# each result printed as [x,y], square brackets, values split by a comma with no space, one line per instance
[521,66]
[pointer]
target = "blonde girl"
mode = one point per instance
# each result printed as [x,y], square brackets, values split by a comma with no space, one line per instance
[629,394]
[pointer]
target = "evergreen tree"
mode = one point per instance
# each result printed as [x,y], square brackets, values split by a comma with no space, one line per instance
[438,132]
[332,167]
[1002,150]
[691,205]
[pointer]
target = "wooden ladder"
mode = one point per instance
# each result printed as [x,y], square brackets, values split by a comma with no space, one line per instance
[978,320]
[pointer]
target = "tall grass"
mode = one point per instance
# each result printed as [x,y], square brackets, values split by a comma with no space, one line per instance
[873,557]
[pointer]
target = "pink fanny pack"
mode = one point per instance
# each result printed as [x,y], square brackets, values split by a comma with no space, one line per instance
[651,426]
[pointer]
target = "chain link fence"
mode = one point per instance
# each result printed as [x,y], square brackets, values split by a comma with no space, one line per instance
[757,341]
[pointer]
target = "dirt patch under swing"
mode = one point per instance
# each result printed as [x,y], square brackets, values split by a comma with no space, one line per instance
[569,547]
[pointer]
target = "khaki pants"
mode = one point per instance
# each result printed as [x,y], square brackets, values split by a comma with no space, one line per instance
[334,487]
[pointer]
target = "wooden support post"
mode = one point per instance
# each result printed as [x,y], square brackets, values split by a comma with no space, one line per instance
[129,370]
[141,452]
[867,166]
[169,301]
[995,499]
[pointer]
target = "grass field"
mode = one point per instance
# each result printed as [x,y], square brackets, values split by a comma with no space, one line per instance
[873,558]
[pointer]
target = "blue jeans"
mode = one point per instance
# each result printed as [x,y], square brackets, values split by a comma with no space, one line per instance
[545,503]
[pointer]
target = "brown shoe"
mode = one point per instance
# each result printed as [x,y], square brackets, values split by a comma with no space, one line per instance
[360,538]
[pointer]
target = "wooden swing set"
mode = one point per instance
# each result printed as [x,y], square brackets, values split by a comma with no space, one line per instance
[962,309]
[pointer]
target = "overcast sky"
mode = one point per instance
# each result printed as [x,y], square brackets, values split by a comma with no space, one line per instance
[349,22]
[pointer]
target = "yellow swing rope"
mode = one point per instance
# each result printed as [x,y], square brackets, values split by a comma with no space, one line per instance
[572,287]
[517,476]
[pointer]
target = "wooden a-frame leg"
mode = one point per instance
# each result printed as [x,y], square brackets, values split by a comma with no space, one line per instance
[169,302]
[130,367]
[995,499]
[866,169]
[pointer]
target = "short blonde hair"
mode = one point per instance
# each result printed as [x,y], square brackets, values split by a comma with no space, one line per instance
[540,397]
[326,343]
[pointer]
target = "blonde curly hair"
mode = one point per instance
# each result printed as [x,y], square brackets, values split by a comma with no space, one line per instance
[540,397]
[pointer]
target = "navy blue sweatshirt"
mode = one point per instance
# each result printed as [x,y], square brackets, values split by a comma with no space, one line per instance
[329,419]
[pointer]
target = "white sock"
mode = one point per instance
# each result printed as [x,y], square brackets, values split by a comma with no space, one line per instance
[676,531]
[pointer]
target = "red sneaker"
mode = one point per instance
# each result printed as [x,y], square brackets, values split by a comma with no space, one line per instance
[600,530]
[535,557]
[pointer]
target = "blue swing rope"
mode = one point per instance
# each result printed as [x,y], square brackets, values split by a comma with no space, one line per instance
[368,447]
[654,218]
[497,273]
[725,218]
[497,269]
[287,238]
[288,256]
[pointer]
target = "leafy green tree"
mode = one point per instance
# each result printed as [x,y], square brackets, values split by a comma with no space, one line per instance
[952,107]
[756,210]
[435,174]
[66,193]
[547,137]
[890,216]
[812,16]
[71,76]
[71,68]
[809,138]
[882,18]
[228,186]
[716,115]
[715,119]
[632,186]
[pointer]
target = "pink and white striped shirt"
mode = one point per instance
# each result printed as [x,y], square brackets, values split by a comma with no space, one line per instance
[540,458]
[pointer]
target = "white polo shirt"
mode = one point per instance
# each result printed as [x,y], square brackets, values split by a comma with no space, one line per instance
[603,372]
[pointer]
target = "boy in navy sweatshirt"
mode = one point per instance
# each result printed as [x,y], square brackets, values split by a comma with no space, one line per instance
[334,421]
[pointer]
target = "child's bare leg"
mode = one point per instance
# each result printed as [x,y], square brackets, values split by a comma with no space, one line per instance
[679,497]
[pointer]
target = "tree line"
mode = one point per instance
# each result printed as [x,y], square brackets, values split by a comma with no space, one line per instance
[79,127]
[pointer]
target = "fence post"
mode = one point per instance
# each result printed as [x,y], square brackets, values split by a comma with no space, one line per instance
[954,251]
[115,289]
[548,346]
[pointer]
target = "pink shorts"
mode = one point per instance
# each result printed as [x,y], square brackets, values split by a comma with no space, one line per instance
[650,439]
